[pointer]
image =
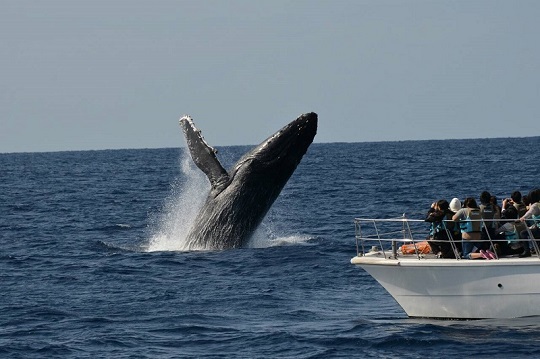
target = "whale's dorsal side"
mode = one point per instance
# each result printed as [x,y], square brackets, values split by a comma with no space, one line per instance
[204,156]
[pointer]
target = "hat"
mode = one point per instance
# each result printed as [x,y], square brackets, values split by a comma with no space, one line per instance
[455,205]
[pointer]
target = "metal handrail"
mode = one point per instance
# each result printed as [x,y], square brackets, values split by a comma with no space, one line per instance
[382,237]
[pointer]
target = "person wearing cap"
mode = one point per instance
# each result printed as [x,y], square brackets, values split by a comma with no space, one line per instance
[455,205]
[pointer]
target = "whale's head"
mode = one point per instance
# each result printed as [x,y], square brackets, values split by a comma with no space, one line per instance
[280,154]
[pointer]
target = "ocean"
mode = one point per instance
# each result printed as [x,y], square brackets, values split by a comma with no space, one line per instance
[93,265]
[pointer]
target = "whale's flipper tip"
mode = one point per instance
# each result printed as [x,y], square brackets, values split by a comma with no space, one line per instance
[203,154]
[185,121]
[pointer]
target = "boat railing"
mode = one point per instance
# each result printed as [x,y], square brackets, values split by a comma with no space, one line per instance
[386,236]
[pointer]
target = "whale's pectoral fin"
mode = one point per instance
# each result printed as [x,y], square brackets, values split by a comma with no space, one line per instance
[204,155]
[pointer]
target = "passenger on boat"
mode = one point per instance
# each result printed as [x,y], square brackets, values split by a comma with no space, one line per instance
[507,235]
[532,215]
[455,205]
[515,200]
[440,217]
[488,214]
[471,228]
[497,210]
[526,202]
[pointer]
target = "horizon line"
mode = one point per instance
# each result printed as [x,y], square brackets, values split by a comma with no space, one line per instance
[245,145]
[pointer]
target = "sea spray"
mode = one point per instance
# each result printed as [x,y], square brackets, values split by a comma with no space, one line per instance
[171,226]
[188,193]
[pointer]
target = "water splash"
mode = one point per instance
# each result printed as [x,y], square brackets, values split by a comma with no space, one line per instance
[188,193]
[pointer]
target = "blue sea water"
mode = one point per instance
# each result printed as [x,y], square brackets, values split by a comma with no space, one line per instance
[92,261]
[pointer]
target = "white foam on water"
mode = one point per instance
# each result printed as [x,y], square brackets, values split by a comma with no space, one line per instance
[188,193]
[265,237]
[279,241]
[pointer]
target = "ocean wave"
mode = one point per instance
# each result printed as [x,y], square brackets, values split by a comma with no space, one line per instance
[112,228]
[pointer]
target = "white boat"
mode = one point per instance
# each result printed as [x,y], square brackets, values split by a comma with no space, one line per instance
[429,287]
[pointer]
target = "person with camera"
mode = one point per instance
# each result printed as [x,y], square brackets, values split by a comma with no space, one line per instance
[440,216]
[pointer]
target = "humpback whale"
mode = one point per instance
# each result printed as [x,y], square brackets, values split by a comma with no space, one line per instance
[240,198]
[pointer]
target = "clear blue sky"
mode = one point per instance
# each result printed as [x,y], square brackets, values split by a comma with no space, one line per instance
[95,74]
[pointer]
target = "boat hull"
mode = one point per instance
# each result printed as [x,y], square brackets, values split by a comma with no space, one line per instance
[459,289]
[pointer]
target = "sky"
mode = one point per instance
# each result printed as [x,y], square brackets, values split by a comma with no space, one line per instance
[94,74]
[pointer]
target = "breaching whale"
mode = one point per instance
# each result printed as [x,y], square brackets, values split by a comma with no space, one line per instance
[240,198]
